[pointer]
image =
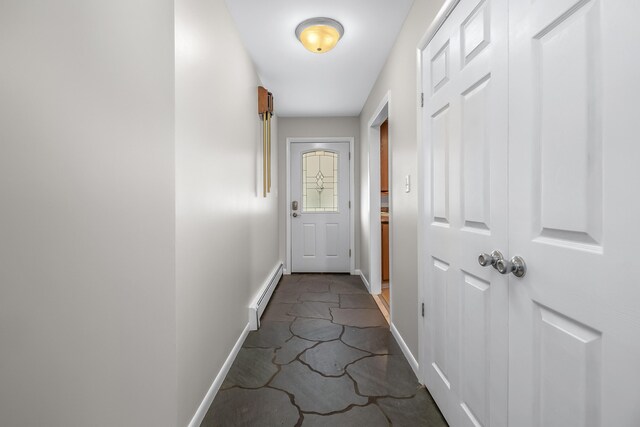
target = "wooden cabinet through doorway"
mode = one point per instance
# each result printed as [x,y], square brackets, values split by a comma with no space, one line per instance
[385,250]
[384,157]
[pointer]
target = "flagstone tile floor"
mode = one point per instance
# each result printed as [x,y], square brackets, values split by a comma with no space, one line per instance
[323,356]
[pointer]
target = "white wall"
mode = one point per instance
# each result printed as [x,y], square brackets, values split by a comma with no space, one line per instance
[226,233]
[399,77]
[87,313]
[310,127]
[132,234]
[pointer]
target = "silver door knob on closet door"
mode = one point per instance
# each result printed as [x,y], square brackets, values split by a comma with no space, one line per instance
[515,265]
[295,214]
[486,260]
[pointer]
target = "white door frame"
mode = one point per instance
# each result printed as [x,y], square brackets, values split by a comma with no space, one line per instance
[380,114]
[352,186]
[424,171]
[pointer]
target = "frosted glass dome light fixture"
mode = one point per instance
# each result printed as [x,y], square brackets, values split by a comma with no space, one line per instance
[319,35]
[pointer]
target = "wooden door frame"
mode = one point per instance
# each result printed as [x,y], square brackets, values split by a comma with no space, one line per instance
[380,114]
[352,185]
[424,192]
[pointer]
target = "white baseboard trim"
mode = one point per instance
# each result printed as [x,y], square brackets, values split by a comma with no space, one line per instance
[405,349]
[364,279]
[217,382]
[262,297]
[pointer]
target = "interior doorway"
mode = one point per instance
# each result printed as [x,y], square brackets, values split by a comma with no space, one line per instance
[380,208]
[385,293]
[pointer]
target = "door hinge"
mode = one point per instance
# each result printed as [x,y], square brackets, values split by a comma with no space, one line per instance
[349,253]
[422,309]
[349,204]
[349,155]
[422,99]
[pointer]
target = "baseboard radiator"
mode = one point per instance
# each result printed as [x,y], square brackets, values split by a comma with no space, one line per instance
[263,296]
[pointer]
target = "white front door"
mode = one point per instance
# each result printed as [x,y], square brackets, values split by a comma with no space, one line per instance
[574,213]
[320,207]
[465,128]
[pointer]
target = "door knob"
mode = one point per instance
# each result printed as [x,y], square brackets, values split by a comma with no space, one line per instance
[516,266]
[486,259]
[295,214]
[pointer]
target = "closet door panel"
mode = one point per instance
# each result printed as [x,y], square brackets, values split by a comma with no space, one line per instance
[574,346]
[465,141]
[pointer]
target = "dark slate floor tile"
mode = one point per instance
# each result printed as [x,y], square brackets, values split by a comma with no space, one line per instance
[290,278]
[313,309]
[252,368]
[348,288]
[330,358]
[384,376]
[287,288]
[292,349]
[347,278]
[373,340]
[315,393]
[314,278]
[369,416]
[420,410]
[319,296]
[359,317]
[284,297]
[316,329]
[357,301]
[269,335]
[261,407]
[306,283]
[277,312]
[268,361]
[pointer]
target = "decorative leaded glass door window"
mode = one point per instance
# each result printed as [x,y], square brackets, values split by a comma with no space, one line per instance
[320,181]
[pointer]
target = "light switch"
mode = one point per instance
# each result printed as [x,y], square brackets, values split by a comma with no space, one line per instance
[407,183]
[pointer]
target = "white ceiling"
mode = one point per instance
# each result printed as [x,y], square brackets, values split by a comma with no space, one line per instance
[305,84]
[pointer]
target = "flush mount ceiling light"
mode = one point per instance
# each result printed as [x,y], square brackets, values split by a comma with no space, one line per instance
[319,35]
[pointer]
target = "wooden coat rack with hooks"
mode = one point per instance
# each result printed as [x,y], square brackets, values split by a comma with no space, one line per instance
[265,111]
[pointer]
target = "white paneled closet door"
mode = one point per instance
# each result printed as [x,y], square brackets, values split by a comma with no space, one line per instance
[465,129]
[530,128]
[574,213]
